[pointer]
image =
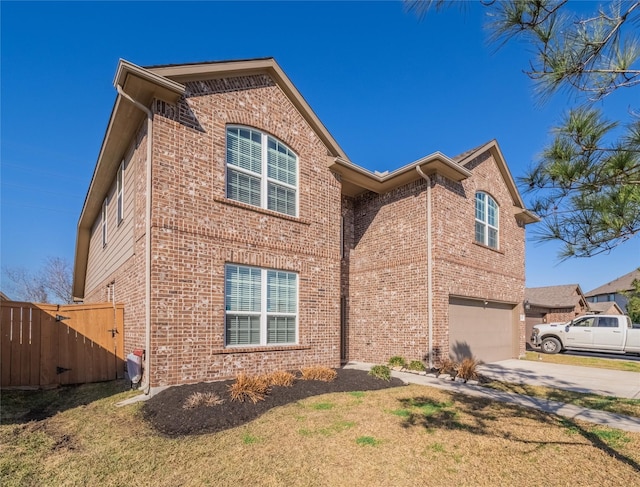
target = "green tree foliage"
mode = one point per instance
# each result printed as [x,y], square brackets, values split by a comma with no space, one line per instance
[633,303]
[586,184]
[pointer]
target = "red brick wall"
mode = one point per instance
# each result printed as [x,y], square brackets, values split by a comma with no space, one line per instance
[386,264]
[461,266]
[196,230]
[561,315]
[382,275]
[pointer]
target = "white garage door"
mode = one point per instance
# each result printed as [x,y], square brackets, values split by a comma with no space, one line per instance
[484,331]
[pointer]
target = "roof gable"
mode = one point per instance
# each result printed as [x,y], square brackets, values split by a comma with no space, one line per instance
[564,296]
[183,73]
[622,283]
[357,179]
[607,307]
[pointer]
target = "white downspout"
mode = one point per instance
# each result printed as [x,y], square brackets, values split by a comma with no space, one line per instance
[429,266]
[146,378]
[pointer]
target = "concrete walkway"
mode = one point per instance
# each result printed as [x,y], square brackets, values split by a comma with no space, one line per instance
[586,379]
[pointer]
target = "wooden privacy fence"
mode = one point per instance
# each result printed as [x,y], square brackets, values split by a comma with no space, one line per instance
[45,345]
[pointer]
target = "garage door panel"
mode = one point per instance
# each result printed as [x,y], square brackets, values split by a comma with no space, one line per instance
[484,331]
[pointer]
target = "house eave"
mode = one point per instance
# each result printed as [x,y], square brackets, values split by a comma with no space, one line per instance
[123,123]
[356,179]
[525,216]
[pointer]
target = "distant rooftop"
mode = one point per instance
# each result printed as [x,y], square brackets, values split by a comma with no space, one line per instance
[554,296]
[620,284]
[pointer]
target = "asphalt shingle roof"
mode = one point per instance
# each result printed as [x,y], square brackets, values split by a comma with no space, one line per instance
[554,296]
[622,283]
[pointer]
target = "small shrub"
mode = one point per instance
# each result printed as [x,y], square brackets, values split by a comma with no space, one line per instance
[397,361]
[281,378]
[198,399]
[416,365]
[468,369]
[381,372]
[318,373]
[249,387]
[448,366]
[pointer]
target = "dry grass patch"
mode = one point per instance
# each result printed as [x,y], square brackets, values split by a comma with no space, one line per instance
[281,378]
[451,439]
[448,366]
[468,369]
[251,387]
[199,399]
[318,373]
[255,387]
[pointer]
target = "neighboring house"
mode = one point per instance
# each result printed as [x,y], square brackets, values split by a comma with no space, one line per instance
[613,291]
[605,308]
[4,297]
[550,304]
[240,237]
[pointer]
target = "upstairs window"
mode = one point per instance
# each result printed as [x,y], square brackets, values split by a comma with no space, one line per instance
[261,171]
[261,306]
[103,223]
[120,192]
[486,220]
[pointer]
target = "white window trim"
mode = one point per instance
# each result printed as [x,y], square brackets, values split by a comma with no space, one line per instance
[264,175]
[485,223]
[120,193]
[263,313]
[103,223]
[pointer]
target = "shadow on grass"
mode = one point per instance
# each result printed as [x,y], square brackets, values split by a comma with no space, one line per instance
[22,406]
[424,412]
[610,404]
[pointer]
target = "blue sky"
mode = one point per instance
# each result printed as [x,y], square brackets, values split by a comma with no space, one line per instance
[389,87]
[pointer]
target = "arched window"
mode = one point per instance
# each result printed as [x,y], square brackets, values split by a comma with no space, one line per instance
[486,220]
[261,171]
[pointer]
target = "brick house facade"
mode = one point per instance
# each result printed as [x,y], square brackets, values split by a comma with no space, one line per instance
[315,262]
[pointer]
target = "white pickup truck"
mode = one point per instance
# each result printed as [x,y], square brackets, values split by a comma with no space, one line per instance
[596,333]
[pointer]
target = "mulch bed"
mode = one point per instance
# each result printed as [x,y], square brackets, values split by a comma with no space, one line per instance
[166,414]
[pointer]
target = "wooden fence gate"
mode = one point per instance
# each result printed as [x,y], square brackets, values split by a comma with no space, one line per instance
[44,345]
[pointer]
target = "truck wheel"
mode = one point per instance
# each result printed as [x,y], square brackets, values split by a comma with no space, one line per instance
[551,345]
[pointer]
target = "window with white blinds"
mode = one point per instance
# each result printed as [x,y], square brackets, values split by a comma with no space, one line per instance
[103,222]
[261,171]
[261,306]
[486,220]
[120,192]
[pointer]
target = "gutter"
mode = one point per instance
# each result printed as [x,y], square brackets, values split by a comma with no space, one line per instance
[429,266]
[146,378]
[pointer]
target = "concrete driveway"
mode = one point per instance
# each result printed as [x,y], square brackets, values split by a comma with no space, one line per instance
[570,377]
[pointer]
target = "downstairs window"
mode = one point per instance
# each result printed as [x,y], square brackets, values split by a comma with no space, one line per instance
[261,306]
